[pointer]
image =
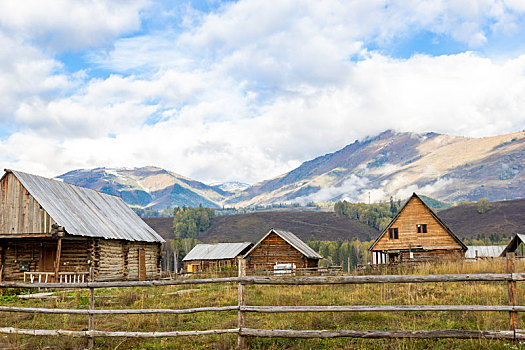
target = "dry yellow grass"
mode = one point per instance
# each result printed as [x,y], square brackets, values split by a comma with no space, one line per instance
[494,293]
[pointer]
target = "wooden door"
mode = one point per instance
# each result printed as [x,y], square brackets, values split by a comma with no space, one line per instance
[142,264]
[47,258]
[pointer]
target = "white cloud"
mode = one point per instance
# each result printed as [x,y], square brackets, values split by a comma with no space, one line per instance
[27,74]
[350,190]
[210,130]
[249,91]
[70,24]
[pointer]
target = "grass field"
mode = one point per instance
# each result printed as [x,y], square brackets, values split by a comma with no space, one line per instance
[494,293]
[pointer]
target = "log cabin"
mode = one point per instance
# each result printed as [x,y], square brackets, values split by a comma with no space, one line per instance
[214,257]
[54,231]
[280,247]
[416,234]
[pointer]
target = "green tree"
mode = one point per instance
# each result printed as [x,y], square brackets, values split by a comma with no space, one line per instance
[483,205]
[189,222]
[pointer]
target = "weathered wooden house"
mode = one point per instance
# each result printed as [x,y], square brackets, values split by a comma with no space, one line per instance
[54,231]
[280,247]
[416,234]
[214,257]
[516,245]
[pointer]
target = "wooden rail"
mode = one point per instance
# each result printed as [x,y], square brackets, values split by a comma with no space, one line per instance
[241,308]
[285,280]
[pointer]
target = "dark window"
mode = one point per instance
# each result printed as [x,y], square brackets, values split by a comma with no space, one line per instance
[421,228]
[393,233]
[424,226]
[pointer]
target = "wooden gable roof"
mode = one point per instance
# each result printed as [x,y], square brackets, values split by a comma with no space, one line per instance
[85,212]
[513,244]
[291,239]
[438,220]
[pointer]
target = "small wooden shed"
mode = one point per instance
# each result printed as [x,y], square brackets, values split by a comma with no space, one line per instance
[416,234]
[281,247]
[214,257]
[54,231]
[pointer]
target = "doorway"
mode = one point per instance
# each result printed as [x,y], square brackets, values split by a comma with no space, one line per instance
[142,264]
[47,257]
[393,258]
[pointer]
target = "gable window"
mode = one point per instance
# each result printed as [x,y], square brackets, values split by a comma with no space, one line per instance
[421,228]
[393,233]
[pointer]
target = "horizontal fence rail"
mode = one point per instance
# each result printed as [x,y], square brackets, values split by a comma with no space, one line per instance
[269,309]
[93,333]
[241,308]
[447,333]
[285,280]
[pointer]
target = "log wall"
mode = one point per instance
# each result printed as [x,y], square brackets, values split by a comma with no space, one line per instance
[119,260]
[273,249]
[13,253]
[20,213]
[74,256]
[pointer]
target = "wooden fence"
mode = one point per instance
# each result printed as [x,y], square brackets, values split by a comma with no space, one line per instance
[242,308]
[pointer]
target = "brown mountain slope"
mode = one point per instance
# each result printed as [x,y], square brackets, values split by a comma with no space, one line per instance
[504,218]
[444,167]
[251,227]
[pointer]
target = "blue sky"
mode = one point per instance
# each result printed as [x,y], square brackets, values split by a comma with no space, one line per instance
[247,90]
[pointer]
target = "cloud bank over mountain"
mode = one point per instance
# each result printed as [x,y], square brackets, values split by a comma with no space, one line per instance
[248,90]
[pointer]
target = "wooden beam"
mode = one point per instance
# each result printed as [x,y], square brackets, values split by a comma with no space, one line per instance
[123,311]
[432,334]
[241,316]
[57,258]
[28,235]
[314,280]
[382,308]
[513,295]
[86,334]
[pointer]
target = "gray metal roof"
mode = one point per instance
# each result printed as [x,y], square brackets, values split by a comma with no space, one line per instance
[483,251]
[85,212]
[216,251]
[294,242]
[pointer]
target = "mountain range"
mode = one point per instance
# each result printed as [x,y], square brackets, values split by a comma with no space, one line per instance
[391,164]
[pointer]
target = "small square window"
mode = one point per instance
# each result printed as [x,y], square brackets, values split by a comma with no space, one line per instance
[421,228]
[393,233]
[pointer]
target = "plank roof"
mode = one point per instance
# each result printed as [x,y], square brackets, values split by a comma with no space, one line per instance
[86,212]
[216,251]
[293,240]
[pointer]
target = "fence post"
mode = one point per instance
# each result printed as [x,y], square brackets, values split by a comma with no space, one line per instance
[513,295]
[241,319]
[91,321]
